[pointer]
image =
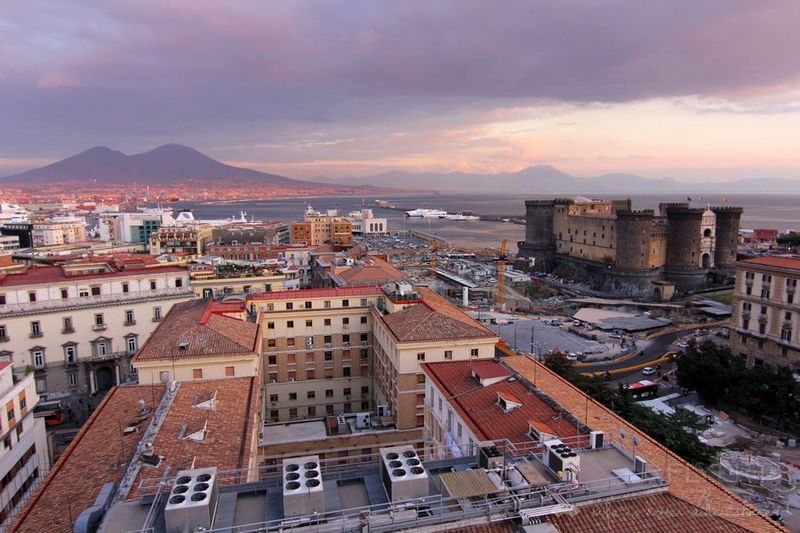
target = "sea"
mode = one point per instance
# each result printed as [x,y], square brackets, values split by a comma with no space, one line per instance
[781,212]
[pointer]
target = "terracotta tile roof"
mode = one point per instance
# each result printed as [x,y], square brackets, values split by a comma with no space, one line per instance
[369,270]
[97,455]
[685,481]
[790,261]
[52,274]
[656,513]
[507,526]
[419,323]
[183,325]
[227,428]
[368,290]
[479,409]
[440,304]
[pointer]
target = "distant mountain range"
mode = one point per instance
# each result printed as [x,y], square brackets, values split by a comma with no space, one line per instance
[168,164]
[545,179]
[174,164]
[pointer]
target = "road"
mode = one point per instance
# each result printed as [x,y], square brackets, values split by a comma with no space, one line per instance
[655,349]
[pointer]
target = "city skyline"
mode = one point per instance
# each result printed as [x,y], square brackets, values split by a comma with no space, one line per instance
[695,91]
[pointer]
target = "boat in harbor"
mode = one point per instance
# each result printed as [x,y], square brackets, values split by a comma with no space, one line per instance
[461,216]
[426,213]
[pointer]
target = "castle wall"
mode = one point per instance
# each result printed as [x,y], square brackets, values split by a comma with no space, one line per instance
[727,235]
[633,229]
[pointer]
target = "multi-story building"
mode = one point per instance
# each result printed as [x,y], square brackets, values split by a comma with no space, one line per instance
[415,326]
[365,223]
[188,239]
[765,320]
[197,340]
[9,243]
[270,233]
[58,231]
[23,458]
[22,230]
[133,227]
[210,281]
[329,228]
[75,326]
[616,248]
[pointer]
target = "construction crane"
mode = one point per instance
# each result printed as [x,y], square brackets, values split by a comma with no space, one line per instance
[501,260]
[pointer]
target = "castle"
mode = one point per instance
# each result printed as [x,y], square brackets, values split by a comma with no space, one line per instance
[635,252]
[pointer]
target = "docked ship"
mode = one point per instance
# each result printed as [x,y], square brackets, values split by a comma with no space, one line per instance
[427,213]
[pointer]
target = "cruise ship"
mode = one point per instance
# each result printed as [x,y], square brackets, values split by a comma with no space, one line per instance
[427,213]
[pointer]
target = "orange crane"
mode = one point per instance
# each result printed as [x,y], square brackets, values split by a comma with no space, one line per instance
[501,260]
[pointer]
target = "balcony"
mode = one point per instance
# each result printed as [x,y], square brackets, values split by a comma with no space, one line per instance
[93,301]
[99,327]
[35,334]
[66,331]
[129,323]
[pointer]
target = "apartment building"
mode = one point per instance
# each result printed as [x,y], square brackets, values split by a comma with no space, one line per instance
[210,281]
[57,232]
[765,320]
[415,326]
[198,340]
[294,258]
[365,223]
[187,239]
[328,228]
[318,350]
[76,326]
[9,243]
[133,227]
[23,457]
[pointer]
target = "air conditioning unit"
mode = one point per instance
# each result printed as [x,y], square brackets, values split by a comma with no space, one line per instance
[639,465]
[384,410]
[192,501]
[404,476]
[596,439]
[302,486]
[561,459]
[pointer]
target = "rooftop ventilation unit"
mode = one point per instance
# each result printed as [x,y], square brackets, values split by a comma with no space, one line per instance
[404,476]
[192,501]
[562,459]
[302,486]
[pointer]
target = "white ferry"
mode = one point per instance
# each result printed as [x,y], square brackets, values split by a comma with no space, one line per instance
[427,213]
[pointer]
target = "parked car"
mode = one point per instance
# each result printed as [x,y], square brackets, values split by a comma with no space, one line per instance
[648,371]
[572,356]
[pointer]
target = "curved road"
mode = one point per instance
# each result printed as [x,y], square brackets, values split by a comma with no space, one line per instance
[657,348]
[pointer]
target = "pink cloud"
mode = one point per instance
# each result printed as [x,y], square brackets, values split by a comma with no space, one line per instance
[56,79]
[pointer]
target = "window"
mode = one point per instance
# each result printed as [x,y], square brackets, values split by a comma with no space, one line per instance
[327,304]
[448,354]
[270,343]
[70,353]
[292,396]
[3,333]
[309,323]
[310,357]
[197,373]
[364,354]
[290,323]
[23,402]
[65,293]
[421,378]
[36,329]
[270,325]
[10,413]
[346,391]
[363,320]
[99,321]
[179,283]
[421,356]
[364,390]
[345,303]
[73,379]
[129,320]
[83,293]
[345,321]
[328,339]
[289,306]
[96,290]
[310,373]
[346,371]
[329,393]
[473,352]
[156,314]
[329,356]
[327,322]
[32,296]
[293,412]
[131,344]
[272,360]
[2,299]
[41,384]
[311,394]
[290,341]
[307,305]
[230,371]
[100,348]
[125,288]
[346,339]
[152,284]
[364,302]
[68,327]
[273,397]
[312,410]
[291,359]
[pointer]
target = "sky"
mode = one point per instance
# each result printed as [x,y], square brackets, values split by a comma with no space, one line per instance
[693,89]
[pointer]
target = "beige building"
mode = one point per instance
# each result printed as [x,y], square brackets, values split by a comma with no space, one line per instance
[198,340]
[54,233]
[23,457]
[765,321]
[317,228]
[187,239]
[76,326]
[209,281]
[415,327]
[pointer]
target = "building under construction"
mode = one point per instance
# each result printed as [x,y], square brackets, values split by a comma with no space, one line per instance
[635,252]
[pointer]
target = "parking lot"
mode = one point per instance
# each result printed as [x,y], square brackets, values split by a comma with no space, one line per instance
[545,338]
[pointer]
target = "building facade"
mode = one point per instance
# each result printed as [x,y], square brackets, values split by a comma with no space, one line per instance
[765,319]
[55,233]
[132,227]
[615,248]
[329,228]
[75,327]
[23,457]
[187,239]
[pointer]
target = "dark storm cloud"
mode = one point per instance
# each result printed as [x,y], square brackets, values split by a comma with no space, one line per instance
[132,74]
